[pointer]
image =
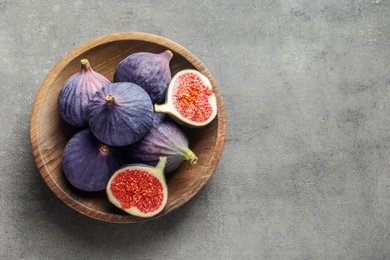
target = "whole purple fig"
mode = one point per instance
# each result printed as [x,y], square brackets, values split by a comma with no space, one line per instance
[164,138]
[148,70]
[88,163]
[120,114]
[77,91]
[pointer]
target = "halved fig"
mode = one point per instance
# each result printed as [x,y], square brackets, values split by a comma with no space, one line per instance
[190,99]
[139,190]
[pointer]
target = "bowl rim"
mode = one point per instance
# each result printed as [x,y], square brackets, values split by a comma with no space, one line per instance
[62,63]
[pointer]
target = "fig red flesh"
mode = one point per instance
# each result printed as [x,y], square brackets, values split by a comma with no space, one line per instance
[130,187]
[191,96]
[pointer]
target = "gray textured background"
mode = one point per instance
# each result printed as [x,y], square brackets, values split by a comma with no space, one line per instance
[305,170]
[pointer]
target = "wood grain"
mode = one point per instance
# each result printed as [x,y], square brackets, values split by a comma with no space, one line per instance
[49,133]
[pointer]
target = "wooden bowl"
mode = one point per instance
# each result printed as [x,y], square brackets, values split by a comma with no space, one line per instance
[49,133]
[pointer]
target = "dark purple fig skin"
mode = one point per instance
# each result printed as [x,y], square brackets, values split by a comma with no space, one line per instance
[88,163]
[165,138]
[76,92]
[126,120]
[148,70]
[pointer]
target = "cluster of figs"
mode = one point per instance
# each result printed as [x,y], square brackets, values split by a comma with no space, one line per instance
[131,129]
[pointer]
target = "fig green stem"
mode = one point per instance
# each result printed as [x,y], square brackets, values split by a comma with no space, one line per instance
[170,54]
[161,108]
[161,163]
[104,148]
[84,62]
[110,99]
[85,66]
[191,157]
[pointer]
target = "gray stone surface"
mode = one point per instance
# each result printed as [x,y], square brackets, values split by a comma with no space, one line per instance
[305,170]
